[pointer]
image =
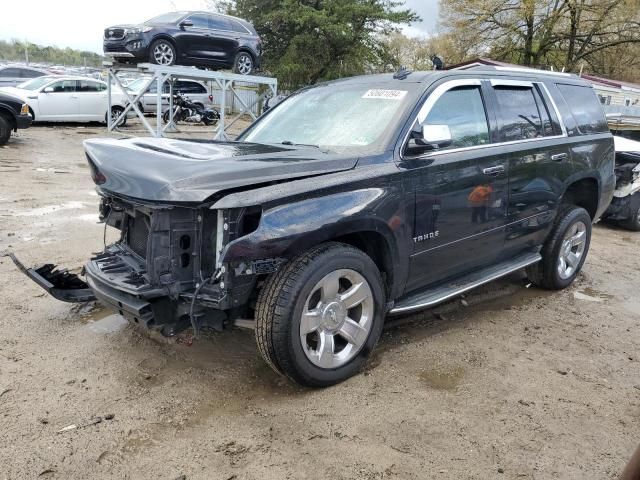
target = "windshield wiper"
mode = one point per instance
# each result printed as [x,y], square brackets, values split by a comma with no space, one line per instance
[289,142]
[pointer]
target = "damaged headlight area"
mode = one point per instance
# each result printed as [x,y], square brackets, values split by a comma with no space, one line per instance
[166,271]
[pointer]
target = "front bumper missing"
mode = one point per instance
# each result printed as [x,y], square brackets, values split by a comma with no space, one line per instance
[59,283]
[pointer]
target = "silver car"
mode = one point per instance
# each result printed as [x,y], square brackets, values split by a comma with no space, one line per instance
[197,92]
[12,75]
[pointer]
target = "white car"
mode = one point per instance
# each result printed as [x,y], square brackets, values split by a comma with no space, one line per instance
[68,99]
[197,92]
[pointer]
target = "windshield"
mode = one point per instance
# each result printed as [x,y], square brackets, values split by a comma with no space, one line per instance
[172,17]
[137,84]
[334,115]
[36,83]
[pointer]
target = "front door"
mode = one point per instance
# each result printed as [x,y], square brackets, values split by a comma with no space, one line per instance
[60,103]
[460,189]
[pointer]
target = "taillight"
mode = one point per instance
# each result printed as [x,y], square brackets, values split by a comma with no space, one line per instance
[211,98]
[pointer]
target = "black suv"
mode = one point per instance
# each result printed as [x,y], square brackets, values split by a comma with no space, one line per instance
[14,114]
[202,39]
[348,202]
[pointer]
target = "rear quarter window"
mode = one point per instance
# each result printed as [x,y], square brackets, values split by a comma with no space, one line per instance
[585,108]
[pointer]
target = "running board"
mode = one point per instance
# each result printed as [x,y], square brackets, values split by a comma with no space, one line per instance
[436,295]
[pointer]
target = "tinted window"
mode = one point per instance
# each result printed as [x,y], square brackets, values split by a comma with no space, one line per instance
[237,27]
[172,17]
[462,110]
[189,87]
[64,86]
[219,23]
[585,108]
[199,21]
[88,86]
[27,73]
[545,116]
[520,116]
[10,72]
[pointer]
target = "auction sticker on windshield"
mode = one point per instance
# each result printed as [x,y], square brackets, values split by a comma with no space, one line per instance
[385,94]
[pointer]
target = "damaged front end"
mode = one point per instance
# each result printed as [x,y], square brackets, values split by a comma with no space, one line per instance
[627,170]
[164,272]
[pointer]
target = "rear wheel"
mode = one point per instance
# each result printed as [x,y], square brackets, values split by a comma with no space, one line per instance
[5,130]
[243,63]
[633,222]
[320,316]
[565,250]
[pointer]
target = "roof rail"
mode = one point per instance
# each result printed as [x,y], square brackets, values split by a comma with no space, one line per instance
[534,70]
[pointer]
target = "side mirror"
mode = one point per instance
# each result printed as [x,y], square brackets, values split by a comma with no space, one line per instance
[48,90]
[186,23]
[437,136]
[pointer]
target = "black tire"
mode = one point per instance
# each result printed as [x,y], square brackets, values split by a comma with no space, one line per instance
[165,46]
[281,303]
[115,113]
[546,273]
[633,222]
[5,130]
[243,64]
[165,117]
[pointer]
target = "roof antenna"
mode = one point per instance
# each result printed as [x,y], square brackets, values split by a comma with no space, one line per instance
[402,73]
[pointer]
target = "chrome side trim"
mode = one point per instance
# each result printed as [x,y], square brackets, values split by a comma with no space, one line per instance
[443,294]
[441,89]
[555,109]
[534,71]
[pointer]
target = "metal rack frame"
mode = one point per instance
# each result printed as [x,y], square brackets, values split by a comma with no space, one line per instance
[161,74]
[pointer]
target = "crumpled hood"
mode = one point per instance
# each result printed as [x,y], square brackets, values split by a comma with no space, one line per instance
[169,170]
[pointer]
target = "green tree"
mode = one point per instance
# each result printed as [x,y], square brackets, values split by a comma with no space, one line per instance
[15,51]
[306,41]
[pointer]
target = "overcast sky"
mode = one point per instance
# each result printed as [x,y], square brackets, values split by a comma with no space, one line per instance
[79,23]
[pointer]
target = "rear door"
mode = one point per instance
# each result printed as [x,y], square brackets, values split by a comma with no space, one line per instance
[92,100]
[225,41]
[538,159]
[60,104]
[460,190]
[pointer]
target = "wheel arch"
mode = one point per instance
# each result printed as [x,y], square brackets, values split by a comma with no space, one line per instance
[164,36]
[583,192]
[7,113]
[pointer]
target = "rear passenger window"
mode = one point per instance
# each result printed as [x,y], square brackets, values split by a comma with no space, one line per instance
[521,117]
[219,23]
[585,108]
[462,110]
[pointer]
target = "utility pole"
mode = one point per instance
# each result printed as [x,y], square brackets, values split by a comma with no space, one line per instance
[26,51]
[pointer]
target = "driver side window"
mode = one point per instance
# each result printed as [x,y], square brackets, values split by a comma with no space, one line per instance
[65,86]
[462,110]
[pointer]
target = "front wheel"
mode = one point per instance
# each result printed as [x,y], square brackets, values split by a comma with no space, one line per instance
[565,250]
[162,52]
[5,130]
[319,317]
[115,113]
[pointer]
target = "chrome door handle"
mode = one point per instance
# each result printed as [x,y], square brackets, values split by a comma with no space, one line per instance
[558,157]
[495,170]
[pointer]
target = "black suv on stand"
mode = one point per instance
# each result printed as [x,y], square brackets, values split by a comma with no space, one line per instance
[201,39]
[348,202]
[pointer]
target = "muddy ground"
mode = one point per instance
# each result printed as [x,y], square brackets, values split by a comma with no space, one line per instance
[518,384]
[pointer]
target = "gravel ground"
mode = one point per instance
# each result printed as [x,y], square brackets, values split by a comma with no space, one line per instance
[513,383]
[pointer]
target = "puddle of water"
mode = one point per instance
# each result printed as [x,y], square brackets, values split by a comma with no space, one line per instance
[591,295]
[442,379]
[50,209]
[109,324]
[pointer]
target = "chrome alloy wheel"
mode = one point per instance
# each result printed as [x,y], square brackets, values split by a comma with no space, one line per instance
[572,250]
[337,318]
[244,64]
[163,54]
